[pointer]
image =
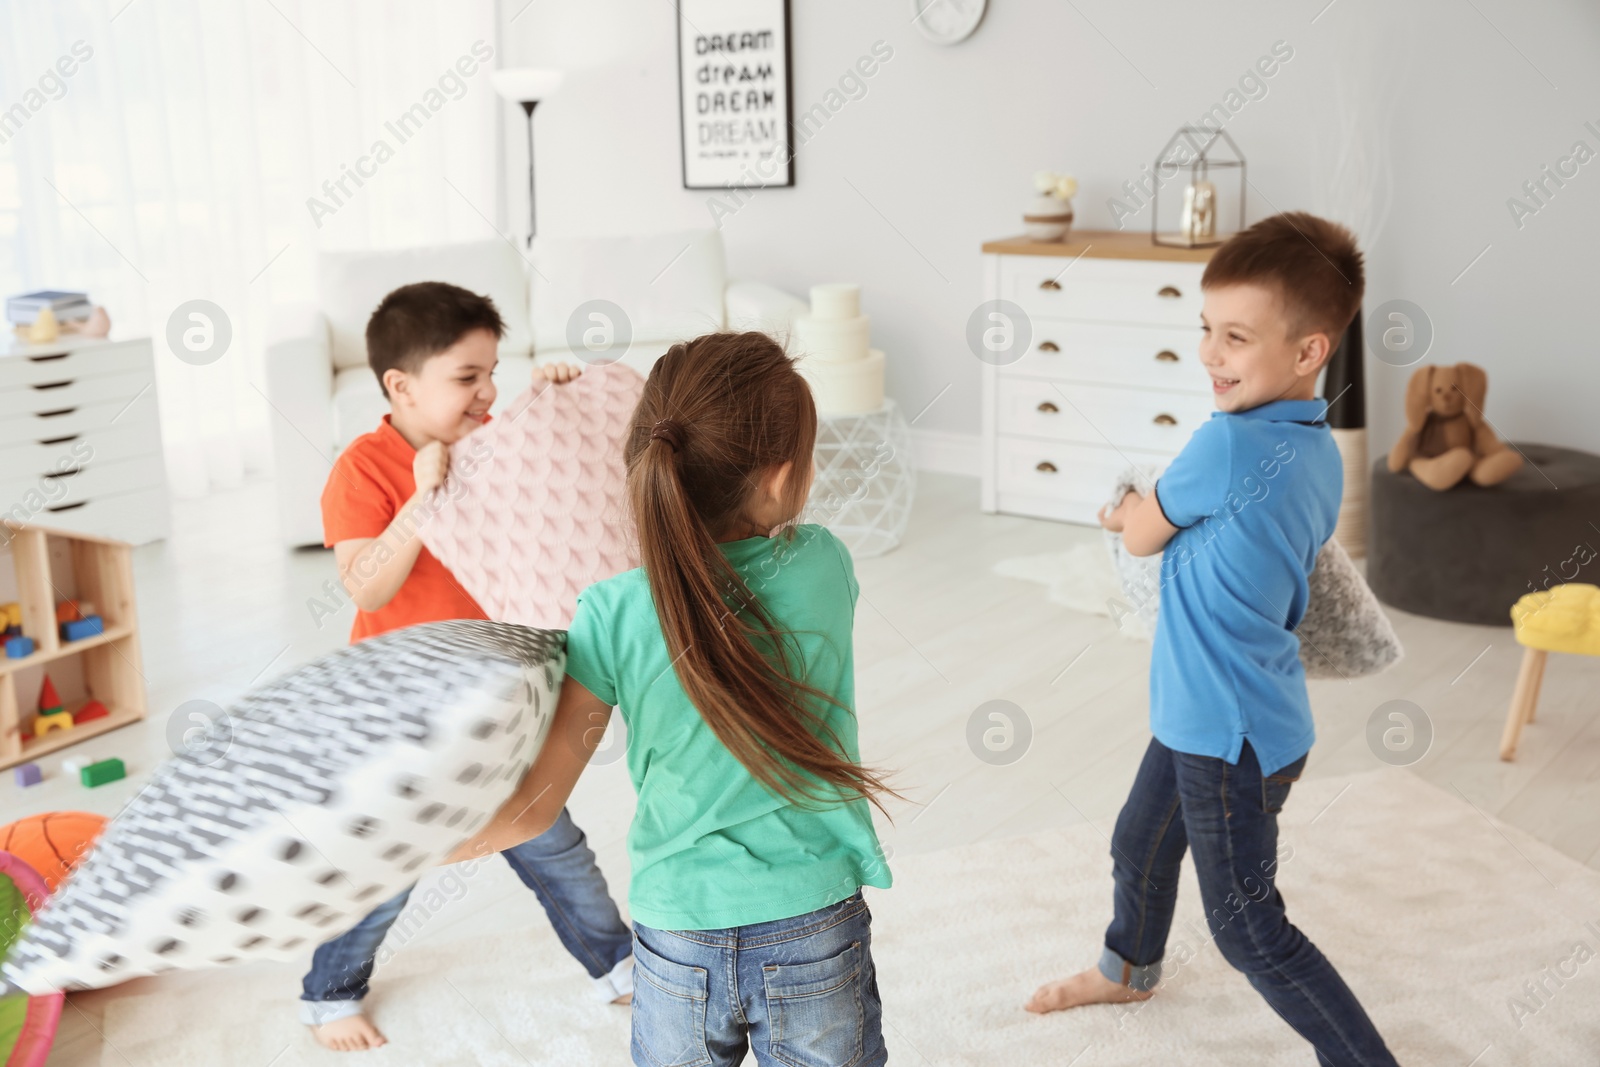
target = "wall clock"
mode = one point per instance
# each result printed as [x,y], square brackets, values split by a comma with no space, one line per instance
[947,21]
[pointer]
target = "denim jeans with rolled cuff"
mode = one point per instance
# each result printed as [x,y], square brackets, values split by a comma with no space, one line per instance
[1227,815]
[798,992]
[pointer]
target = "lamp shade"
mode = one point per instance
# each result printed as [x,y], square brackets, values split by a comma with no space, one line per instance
[524,84]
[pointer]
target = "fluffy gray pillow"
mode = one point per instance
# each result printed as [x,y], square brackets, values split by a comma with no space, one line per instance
[1344,633]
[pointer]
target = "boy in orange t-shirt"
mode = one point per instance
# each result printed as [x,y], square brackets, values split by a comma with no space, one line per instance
[433,347]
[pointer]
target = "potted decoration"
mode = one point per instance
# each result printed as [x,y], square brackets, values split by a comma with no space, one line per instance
[1049,217]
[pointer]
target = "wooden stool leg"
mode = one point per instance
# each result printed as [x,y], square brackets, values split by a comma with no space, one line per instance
[1522,700]
[1538,679]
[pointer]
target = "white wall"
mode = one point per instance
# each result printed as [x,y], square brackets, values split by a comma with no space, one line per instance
[901,186]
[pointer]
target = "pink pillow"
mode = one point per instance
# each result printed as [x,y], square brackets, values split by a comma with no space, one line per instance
[533,509]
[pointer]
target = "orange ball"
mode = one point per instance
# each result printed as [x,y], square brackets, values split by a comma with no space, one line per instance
[52,843]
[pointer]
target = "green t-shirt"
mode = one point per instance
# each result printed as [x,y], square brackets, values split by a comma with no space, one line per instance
[710,846]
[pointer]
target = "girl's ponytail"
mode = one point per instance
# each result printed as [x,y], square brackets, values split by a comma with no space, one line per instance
[717,413]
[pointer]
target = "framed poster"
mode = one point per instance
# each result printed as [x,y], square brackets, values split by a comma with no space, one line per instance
[736,111]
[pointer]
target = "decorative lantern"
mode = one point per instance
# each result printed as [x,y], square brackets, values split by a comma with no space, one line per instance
[1203,172]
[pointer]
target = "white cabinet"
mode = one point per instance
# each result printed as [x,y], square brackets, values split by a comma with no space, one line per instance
[80,438]
[1110,376]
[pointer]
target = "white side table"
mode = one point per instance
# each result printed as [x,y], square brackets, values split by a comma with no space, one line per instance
[865,480]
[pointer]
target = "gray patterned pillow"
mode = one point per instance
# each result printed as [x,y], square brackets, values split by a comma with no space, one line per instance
[1344,633]
[335,787]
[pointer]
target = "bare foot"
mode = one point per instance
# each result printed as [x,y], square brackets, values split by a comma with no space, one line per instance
[626,998]
[353,1033]
[1085,987]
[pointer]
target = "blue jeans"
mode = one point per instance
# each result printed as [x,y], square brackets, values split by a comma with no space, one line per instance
[1227,814]
[799,992]
[558,866]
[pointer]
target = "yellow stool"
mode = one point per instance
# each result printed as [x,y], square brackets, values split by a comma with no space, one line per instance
[1564,618]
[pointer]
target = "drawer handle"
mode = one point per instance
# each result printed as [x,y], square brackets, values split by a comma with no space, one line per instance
[1047,407]
[60,440]
[48,358]
[1050,283]
[62,474]
[67,507]
[1049,346]
[1164,419]
[53,414]
[54,385]
[1046,466]
[1167,355]
[1168,292]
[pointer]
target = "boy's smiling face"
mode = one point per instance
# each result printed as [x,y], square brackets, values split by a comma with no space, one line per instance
[449,396]
[1250,352]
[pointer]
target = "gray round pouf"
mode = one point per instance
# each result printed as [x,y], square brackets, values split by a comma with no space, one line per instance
[1467,554]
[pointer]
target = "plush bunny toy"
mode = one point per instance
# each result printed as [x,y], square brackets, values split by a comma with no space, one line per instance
[1446,437]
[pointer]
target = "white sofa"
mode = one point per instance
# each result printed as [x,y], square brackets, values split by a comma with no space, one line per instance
[670,287]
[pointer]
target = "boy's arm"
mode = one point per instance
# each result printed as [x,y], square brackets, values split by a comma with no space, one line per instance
[575,731]
[374,568]
[1143,525]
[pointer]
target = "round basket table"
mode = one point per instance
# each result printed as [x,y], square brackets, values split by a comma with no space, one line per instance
[1467,554]
[865,480]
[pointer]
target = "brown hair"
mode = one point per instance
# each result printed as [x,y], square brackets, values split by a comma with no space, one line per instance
[717,413]
[1313,265]
[416,322]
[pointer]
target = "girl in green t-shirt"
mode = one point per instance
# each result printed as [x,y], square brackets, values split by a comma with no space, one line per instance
[729,656]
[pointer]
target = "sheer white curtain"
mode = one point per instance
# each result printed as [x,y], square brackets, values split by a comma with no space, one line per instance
[155,152]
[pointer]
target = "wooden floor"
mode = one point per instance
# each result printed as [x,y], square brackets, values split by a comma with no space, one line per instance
[223,607]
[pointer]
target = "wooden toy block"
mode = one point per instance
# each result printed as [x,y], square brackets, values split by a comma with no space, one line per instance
[45,723]
[67,610]
[29,774]
[49,700]
[11,615]
[18,646]
[78,629]
[107,770]
[90,712]
[73,764]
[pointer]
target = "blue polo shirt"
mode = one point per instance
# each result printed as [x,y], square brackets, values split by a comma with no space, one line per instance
[1255,495]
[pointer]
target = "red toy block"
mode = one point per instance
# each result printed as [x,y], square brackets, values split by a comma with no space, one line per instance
[90,712]
[68,610]
[49,699]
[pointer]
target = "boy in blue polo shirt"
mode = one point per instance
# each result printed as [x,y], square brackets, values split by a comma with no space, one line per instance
[1239,517]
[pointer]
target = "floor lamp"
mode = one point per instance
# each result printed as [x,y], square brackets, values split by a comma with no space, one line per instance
[527,86]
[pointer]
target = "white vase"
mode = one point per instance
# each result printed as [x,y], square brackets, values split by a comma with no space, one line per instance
[1048,218]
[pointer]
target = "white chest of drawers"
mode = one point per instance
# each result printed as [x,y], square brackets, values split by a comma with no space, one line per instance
[1110,376]
[80,438]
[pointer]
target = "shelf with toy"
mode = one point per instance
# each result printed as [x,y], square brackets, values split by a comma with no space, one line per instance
[63,584]
[70,648]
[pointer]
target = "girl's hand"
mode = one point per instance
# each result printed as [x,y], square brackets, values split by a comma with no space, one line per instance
[560,373]
[433,460]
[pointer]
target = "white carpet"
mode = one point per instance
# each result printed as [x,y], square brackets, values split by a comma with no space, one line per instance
[1081,578]
[1435,917]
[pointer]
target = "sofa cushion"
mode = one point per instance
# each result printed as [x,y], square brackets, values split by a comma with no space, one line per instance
[351,284]
[358,403]
[669,285]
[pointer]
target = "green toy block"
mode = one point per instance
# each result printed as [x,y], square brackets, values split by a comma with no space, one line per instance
[107,770]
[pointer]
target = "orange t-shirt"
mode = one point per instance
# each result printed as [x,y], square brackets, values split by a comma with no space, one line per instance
[371,479]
